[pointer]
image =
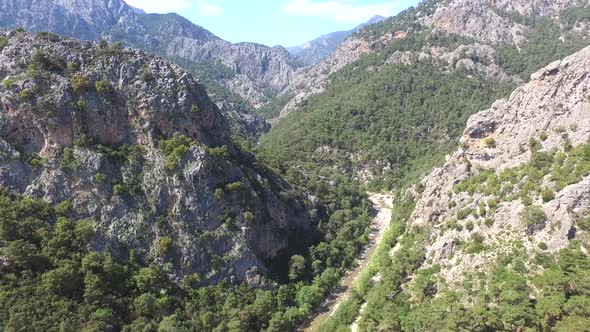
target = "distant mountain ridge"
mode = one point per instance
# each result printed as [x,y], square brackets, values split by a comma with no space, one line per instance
[320,48]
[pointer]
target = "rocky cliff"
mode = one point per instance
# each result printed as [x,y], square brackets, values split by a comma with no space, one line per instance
[134,143]
[258,71]
[522,175]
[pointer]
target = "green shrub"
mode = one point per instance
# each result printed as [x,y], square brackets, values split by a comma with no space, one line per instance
[104,87]
[25,94]
[543,136]
[489,222]
[8,83]
[68,160]
[3,43]
[63,208]
[195,109]
[489,142]
[464,213]
[100,178]
[50,36]
[80,83]
[175,149]
[249,218]
[235,186]
[119,189]
[469,225]
[81,105]
[475,246]
[34,159]
[219,152]
[533,215]
[164,245]
[534,145]
[543,246]
[218,193]
[73,67]
[547,194]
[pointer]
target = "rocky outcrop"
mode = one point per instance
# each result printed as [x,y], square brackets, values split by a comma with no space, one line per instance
[541,118]
[134,143]
[267,70]
[484,20]
[473,59]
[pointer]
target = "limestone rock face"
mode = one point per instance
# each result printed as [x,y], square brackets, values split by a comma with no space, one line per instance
[267,70]
[483,21]
[553,110]
[88,123]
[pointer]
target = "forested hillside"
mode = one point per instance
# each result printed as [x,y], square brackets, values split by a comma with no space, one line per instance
[404,106]
[496,239]
[136,196]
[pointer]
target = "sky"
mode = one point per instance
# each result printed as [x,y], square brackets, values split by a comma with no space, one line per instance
[275,22]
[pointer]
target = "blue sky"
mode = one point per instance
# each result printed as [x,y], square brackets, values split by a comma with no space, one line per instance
[273,22]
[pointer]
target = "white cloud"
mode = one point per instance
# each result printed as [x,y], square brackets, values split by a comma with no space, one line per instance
[210,9]
[160,6]
[339,10]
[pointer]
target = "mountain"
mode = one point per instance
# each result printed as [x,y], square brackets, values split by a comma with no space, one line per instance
[379,98]
[318,49]
[507,26]
[134,143]
[239,76]
[497,238]
[126,205]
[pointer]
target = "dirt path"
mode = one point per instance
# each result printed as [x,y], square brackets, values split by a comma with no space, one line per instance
[382,205]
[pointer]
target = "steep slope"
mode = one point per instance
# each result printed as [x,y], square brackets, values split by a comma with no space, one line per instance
[134,142]
[320,48]
[252,72]
[498,236]
[124,204]
[538,30]
[406,98]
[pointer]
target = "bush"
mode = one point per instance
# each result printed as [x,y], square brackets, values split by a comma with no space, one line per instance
[543,246]
[543,136]
[547,194]
[81,105]
[218,193]
[68,160]
[3,42]
[249,218]
[50,36]
[8,83]
[104,87]
[80,83]
[100,178]
[464,213]
[175,149]
[164,245]
[533,215]
[25,94]
[119,189]
[236,186]
[534,145]
[489,142]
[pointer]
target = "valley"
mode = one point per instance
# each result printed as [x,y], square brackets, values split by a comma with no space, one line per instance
[382,205]
[421,172]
